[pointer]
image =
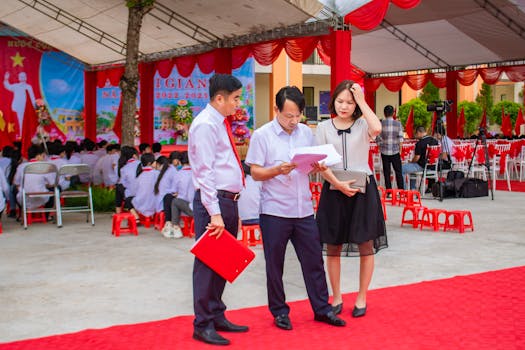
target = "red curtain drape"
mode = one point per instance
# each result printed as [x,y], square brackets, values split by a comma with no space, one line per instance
[112,74]
[147,76]
[370,15]
[90,105]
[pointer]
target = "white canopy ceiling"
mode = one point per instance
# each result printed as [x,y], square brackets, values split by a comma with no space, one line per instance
[435,34]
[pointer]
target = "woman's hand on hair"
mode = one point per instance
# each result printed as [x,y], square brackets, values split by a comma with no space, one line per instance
[359,96]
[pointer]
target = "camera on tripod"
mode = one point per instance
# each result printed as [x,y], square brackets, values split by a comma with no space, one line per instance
[440,106]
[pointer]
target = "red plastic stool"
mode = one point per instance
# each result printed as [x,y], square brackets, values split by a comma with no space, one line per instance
[117,228]
[248,235]
[187,226]
[458,220]
[146,221]
[412,198]
[430,218]
[395,196]
[415,220]
[36,217]
[159,220]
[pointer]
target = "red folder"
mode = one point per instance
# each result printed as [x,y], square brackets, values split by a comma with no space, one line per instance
[226,255]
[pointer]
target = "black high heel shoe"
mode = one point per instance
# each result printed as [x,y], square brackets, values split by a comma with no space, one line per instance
[337,309]
[358,312]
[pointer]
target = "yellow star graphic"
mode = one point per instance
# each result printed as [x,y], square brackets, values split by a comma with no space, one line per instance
[18,60]
[10,127]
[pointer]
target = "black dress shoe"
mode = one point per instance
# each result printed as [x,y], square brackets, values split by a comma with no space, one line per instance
[283,322]
[210,336]
[331,319]
[337,309]
[357,312]
[226,326]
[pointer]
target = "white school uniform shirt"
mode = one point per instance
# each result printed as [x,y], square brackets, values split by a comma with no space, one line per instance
[109,167]
[212,158]
[4,191]
[250,200]
[96,171]
[166,185]
[4,164]
[74,159]
[32,183]
[89,158]
[128,177]
[59,162]
[184,185]
[144,201]
[289,195]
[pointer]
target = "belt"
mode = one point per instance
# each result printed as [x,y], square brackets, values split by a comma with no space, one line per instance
[229,195]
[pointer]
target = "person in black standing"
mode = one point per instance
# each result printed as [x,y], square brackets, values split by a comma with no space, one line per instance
[218,178]
[389,142]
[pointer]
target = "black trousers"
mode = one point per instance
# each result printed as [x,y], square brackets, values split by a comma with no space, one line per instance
[395,160]
[208,286]
[304,235]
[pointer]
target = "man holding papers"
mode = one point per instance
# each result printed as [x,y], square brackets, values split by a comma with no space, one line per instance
[218,178]
[286,208]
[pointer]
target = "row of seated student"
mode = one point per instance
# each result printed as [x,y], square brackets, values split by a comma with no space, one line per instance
[102,159]
[153,185]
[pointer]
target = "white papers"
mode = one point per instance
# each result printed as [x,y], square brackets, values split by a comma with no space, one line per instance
[328,150]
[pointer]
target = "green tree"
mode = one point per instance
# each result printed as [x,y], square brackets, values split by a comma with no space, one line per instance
[510,108]
[129,83]
[473,113]
[485,99]
[421,116]
[430,93]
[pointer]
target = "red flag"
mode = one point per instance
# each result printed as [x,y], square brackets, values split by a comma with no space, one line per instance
[29,125]
[519,122]
[434,121]
[483,123]
[395,114]
[117,127]
[409,125]
[506,126]
[461,123]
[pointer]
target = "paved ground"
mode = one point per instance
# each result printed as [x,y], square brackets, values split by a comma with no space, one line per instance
[64,280]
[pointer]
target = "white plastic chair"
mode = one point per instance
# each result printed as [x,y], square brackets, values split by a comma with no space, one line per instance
[40,168]
[74,170]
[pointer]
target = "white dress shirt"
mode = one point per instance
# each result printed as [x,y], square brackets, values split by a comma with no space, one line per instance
[213,162]
[289,195]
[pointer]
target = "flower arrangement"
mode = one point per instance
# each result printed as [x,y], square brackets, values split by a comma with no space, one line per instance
[44,119]
[239,129]
[182,114]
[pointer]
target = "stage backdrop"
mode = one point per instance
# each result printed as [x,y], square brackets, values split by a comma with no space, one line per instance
[178,100]
[52,79]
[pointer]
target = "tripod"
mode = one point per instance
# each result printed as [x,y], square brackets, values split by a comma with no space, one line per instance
[482,138]
[445,148]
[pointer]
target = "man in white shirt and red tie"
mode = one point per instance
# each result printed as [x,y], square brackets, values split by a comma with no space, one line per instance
[218,178]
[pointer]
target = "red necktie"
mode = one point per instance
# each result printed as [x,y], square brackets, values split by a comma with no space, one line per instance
[232,142]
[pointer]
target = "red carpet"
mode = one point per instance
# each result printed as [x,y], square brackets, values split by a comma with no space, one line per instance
[516,186]
[481,311]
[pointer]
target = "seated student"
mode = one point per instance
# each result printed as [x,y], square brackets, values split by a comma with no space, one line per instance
[144,202]
[250,199]
[419,160]
[144,148]
[109,165]
[164,189]
[57,154]
[156,148]
[127,173]
[182,198]
[5,159]
[34,182]
[88,157]
[4,192]
[72,152]
[16,160]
